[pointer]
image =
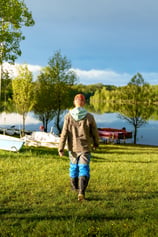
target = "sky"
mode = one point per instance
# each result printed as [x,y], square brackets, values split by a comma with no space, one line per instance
[107,41]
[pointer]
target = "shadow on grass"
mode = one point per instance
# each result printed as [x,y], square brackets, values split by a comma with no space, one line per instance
[126,149]
[122,151]
[29,214]
[109,197]
[36,152]
[40,150]
[104,160]
[134,195]
[23,215]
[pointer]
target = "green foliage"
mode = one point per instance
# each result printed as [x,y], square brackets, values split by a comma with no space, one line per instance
[63,79]
[96,101]
[6,93]
[23,93]
[154,115]
[36,198]
[13,15]
[6,86]
[102,99]
[154,94]
[134,102]
[89,90]
[54,89]
[44,106]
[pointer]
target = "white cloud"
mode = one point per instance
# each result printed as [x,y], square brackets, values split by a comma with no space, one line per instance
[16,119]
[93,76]
[151,77]
[107,77]
[12,69]
[110,77]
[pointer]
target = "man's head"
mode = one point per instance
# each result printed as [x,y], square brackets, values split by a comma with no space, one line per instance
[79,100]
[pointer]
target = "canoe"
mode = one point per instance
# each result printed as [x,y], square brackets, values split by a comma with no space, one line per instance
[114,134]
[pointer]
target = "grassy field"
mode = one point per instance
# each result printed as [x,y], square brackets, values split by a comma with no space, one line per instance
[122,196]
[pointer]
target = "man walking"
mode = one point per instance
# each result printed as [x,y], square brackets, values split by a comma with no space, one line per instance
[80,132]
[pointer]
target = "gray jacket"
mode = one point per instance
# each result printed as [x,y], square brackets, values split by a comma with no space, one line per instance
[80,134]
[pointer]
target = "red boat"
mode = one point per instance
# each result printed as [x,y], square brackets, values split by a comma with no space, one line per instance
[114,134]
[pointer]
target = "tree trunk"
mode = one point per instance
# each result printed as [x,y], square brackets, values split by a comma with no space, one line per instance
[46,125]
[135,134]
[58,121]
[23,125]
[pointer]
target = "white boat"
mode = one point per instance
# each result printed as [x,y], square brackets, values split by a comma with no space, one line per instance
[38,138]
[9,143]
[13,131]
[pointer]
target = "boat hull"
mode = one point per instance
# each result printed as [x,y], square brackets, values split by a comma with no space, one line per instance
[41,139]
[9,143]
[114,134]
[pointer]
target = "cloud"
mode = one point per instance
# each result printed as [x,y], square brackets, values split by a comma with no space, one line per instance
[16,119]
[151,77]
[35,69]
[110,77]
[93,76]
[107,77]
[12,69]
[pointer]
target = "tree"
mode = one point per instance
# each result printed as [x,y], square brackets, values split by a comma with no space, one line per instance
[135,103]
[23,93]
[6,94]
[13,16]
[103,99]
[59,79]
[44,107]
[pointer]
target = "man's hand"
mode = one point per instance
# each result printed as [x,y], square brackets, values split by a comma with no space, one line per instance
[95,147]
[61,153]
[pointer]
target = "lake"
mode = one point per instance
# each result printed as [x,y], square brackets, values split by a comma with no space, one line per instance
[147,134]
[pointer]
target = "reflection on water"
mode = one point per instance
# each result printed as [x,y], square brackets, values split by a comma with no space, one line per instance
[147,134]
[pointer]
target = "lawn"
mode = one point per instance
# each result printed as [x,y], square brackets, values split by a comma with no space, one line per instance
[122,197]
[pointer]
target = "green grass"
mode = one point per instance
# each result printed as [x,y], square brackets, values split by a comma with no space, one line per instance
[122,196]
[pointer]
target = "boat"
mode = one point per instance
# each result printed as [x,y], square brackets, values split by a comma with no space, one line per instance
[38,138]
[10,143]
[13,131]
[113,134]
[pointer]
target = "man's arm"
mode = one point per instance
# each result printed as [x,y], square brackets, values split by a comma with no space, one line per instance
[63,137]
[95,134]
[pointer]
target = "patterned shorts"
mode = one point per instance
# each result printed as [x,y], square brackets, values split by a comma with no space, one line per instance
[79,164]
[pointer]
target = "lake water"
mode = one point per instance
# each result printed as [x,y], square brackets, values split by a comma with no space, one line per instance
[147,134]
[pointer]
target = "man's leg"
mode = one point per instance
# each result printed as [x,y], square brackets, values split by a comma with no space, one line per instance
[84,174]
[73,170]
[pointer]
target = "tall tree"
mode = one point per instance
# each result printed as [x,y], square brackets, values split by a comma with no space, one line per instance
[44,107]
[135,103]
[23,93]
[59,79]
[14,14]
[6,93]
